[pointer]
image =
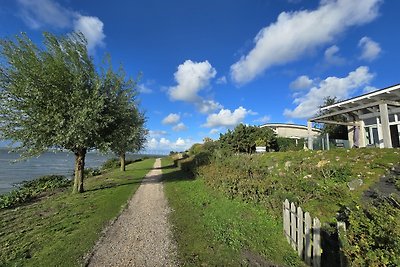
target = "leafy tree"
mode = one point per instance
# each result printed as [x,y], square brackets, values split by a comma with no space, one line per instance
[126,132]
[243,139]
[51,97]
[334,131]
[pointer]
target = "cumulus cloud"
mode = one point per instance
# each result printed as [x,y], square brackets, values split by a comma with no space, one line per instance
[370,49]
[179,127]
[144,89]
[164,145]
[207,106]
[226,118]
[92,28]
[157,133]
[191,78]
[172,118]
[222,80]
[48,13]
[341,88]
[296,33]
[332,57]
[263,119]
[301,82]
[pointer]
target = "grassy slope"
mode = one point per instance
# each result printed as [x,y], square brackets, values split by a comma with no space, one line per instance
[212,230]
[61,228]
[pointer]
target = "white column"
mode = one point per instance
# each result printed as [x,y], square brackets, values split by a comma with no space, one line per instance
[350,135]
[396,119]
[371,136]
[380,135]
[327,141]
[384,114]
[310,136]
[362,142]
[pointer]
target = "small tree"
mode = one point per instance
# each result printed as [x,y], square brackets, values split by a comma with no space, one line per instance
[51,98]
[334,131]
[126,132]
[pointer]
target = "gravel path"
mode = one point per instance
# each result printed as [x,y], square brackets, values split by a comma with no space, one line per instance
[141,235]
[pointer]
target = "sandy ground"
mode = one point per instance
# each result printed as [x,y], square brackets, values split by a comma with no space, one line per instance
[141,235]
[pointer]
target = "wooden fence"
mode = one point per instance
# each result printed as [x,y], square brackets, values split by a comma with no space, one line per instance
[302,233]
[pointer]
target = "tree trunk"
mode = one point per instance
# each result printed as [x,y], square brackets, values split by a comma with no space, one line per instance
[122,160]
[79,169]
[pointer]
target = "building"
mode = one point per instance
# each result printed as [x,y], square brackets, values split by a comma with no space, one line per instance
[293,131]
[372,119]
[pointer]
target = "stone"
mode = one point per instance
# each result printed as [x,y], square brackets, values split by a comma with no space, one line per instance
[355,184]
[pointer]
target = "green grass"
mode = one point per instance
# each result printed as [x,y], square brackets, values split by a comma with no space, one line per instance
[60,228]
[212,230]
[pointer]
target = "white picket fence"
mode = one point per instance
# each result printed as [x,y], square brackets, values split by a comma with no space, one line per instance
[302,233]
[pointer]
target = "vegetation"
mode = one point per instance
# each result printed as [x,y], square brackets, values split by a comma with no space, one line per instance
[60,228]
[30,190]
[334,131]
[126,132]
[213,230]
[324,183]
[244,139]
[54,98]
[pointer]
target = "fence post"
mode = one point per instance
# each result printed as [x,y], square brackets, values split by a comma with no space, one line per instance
[307,225]
[293,231]
[341,228]
[300,232]
[286,219]
[316,243]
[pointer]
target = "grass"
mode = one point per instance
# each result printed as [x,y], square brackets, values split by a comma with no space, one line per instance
[61,228]
[212,230]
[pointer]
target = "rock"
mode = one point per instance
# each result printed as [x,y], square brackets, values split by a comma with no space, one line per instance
[355,184]
[287,165]
[307,176]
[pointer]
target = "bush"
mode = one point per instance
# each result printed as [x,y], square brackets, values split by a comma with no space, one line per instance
[110,164]
[373,236]
[289,144]
[29,190]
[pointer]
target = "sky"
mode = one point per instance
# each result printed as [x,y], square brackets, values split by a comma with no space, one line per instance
[206,66]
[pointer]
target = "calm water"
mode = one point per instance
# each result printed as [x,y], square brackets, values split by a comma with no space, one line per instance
[48,163]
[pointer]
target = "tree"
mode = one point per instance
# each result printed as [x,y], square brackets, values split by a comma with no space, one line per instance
[51,98]
[243,139]
[334,131]
[126,133]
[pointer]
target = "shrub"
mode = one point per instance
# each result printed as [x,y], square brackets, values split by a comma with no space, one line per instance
[30,190]
[373,236]
[110,164]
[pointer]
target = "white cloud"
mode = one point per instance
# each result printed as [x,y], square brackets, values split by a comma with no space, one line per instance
[296,33]
[40,13]
[369,89]
[341,88]
[48,13]
[165,145]
[144,89]
[226,118]
[207,106]
[172,118]
[179,127]
[331,56]
[222,80]
[92,28]
[263,119]
[191,78]
[157,133]
[302,82]
[370,49]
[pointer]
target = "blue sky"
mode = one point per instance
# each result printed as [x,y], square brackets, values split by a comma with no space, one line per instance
[209,65]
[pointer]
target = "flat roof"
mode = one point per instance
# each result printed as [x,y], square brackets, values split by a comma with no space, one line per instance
[292,125]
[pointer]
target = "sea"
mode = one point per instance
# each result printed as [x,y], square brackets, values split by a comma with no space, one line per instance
[13,171]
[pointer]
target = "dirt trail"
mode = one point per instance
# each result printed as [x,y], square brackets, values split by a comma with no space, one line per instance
[141,235]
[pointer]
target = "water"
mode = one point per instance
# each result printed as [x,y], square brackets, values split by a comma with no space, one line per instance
[48,163]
